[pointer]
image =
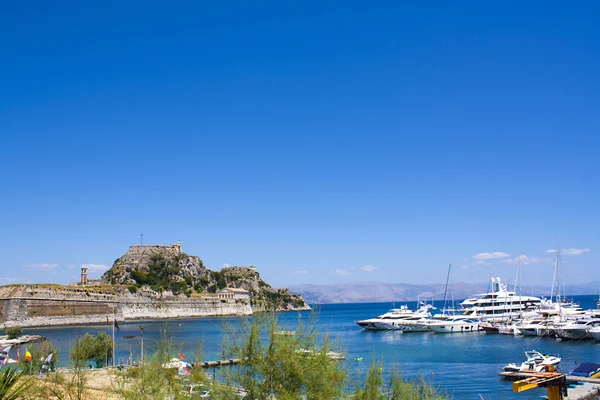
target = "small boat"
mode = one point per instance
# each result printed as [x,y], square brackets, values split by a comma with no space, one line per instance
[535,362]
[529,328]
[506,329]
[587,370]
[456,324]
[489,327]
[578,330]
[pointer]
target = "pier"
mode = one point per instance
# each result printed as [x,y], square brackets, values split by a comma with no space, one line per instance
[574,387]
[218,363]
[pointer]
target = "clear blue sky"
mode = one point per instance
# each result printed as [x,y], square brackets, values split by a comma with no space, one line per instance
[319,141]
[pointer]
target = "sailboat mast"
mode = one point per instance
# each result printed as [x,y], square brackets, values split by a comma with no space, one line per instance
[446,288]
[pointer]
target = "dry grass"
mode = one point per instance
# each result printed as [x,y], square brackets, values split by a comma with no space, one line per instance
[98,385]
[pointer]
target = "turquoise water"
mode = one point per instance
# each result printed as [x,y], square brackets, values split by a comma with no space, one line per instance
[463,365]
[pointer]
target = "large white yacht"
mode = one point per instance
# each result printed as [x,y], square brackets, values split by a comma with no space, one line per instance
[498,305]
[391,319]
[456,324]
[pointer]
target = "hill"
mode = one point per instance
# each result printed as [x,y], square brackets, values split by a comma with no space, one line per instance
[166,269]
[365,292]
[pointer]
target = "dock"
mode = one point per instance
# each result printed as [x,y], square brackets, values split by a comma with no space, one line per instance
[515,376]
[578,387]
[218,363]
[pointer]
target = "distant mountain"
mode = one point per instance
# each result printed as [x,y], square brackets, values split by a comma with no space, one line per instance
[366,292]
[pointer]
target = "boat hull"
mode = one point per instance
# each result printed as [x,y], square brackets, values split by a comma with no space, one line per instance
[462,328]
[573,334]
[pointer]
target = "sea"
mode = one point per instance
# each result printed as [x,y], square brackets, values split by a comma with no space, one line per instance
[461,365]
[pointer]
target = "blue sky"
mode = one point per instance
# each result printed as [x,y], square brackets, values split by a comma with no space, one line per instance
[321,142]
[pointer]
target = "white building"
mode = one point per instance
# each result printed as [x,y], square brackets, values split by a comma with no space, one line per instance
[233,293]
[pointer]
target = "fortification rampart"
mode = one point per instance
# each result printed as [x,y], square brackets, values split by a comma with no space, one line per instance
[32,312]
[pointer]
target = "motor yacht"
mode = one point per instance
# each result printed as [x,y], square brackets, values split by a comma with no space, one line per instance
[535,362]
[578,330]
[498,305]
[456,325]
[529,327]
[394,313]
[392,319]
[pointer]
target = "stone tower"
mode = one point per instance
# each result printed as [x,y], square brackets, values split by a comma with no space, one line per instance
[84,276]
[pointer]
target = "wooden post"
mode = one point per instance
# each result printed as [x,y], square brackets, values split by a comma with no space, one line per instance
[554,393]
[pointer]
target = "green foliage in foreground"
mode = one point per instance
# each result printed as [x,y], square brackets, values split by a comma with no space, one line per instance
[300,366]
[39,352]
[275,365]
[284,365]
[97,349]
[397,388]
[153,381]
[11,385]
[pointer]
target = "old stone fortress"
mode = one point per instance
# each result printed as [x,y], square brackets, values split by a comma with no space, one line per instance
[92,300]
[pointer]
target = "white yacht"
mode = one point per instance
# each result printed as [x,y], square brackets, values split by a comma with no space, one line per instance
[456,324]
[530,327]
[391,319]
[535,362]
[578,330]
[498,305]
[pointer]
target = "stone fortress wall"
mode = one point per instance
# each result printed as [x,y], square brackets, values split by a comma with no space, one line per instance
[141,253]
[53,305]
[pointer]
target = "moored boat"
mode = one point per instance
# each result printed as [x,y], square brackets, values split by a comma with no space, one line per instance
[587,370]
[500,304]
[535,362]
[489,327]
[456,324]
[393,318]
[578,330]
[595,332]
[506,329]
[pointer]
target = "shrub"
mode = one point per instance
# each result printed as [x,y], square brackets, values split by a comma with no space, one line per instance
[14,332]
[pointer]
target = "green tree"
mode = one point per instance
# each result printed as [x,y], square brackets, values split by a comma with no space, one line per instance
[373,384]
[14,332]
[97,349]
[152,380]
[397,388]
[285,366]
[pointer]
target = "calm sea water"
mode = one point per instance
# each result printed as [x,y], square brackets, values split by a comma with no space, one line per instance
[464,365]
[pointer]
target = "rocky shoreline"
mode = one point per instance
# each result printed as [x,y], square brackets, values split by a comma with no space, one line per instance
[24,339]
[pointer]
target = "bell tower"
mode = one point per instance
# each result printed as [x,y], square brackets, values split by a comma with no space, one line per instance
[84,276]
